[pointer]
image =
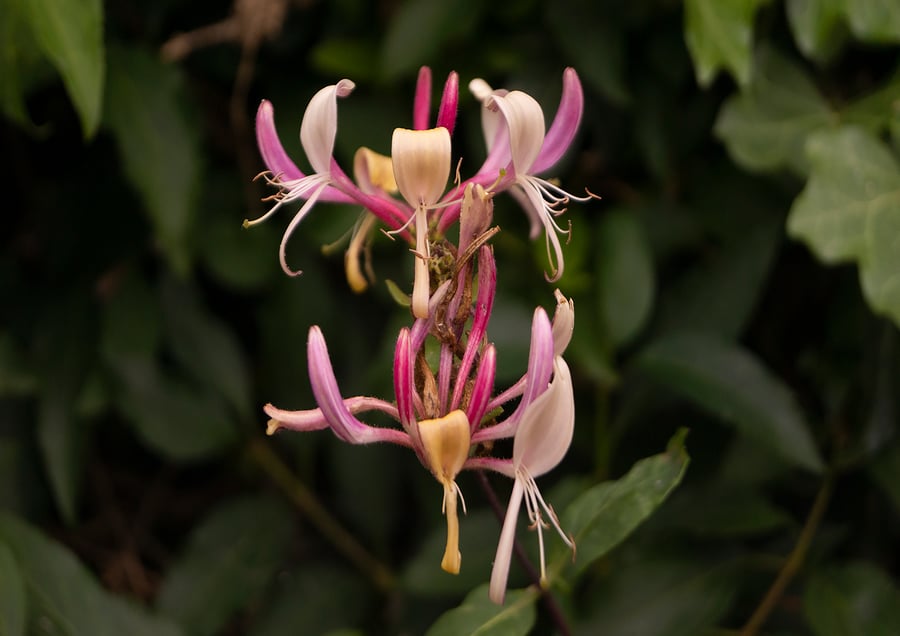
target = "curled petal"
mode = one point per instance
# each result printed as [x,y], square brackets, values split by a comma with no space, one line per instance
[319,126]
[545,432]
[325,389]
[421,164]
[449,102]
[314,419]
[565,123]
[525,123]
[563,323]
[373,171]
[273,154]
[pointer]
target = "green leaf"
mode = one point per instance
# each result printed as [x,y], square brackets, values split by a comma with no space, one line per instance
[625,276]
[874,20]
[479,616]
[719,35]
[670,597]
[880,265]
[884,471]
[230,559]
[18,51]
[817,26]
[64,599]
[12,595]
[852,177]
[732,511]
[766,126]
[733,384]
[854,599]
[159,147]
[601,518]
[70,33]
[204,345]
[340,56]
[420,27]
[16,378]
[875,110]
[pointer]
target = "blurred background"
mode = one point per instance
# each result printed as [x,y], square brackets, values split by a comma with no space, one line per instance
[738,279]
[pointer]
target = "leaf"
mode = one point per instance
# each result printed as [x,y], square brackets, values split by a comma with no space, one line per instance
[766,126]
[671,597]
[880,265]
[884,471]
[158,145]
[204,345]
[70,33]
[64,599]
[852,176]
[605,515]
[875,110]
[18,51]
[853,599]
[719,35]
[625,277]
[817,26]
[433,24]
[731,383]
[12,595]
[874,20]
[230,559]
[479,616]
[320,597]
[726,511]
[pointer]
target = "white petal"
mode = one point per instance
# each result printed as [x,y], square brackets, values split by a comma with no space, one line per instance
[421,164]
[563,323]
[525,122]
[545,432]
[500,573]
[319,126]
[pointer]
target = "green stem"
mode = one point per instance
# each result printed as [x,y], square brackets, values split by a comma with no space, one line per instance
[794,561]
[329,527]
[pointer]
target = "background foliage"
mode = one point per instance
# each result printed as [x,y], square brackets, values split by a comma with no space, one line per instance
[740,277]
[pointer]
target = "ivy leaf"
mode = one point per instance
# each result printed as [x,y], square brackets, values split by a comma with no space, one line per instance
[70,34]
[160,151]
[605,515]
[719,35]
[230,558]
[732,383]
[766,126]
[856,598]
[874,20]
[817,26]
[480,616]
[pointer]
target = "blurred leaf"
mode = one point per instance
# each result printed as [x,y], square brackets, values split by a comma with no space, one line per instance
[625,277]
[817,26]
[478,533]
[663,598]
[875,110]
[230,559]
[480,616]
[874,20]
[884,471]
[67,354]
[718,295]
[12,595]
[594,42]
[15,376]
[880,266]
[132,320]
[725,511]
[70,33]
[237,258]
[159,147]
[605,515]
[856,599]
[766,126]
[318,597]
[16,46]
[64,599]
[852,177]
[719,35]
[420,27]
[179,420]
[732,383]
[204,345]
[340,56]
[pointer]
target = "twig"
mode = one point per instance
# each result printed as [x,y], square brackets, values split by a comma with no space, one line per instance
[329,527]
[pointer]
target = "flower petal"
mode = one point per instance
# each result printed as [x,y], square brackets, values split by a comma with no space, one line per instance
[545,432]
[328,396]
[525,123]
[273,153]
[446,117]
[319,126]
[563,323]
[565,123]
[422,100]
[482,387]
[500,572]
[373,171]
[421,164]
[314,419]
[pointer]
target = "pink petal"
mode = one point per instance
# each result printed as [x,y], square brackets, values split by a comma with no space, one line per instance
[449,102]
[314,419]
[273,154]
[422,101]
[545,432]
[487,284]
[482,387]
[565,123]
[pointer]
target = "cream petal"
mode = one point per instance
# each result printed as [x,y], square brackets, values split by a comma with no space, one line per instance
[421,164]
[525,122]
[319,126]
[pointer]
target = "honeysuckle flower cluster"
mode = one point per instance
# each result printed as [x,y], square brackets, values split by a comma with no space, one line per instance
[451,414]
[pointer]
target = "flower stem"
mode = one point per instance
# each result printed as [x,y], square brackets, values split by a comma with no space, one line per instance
[329,527]
[794,560]
[550,604]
